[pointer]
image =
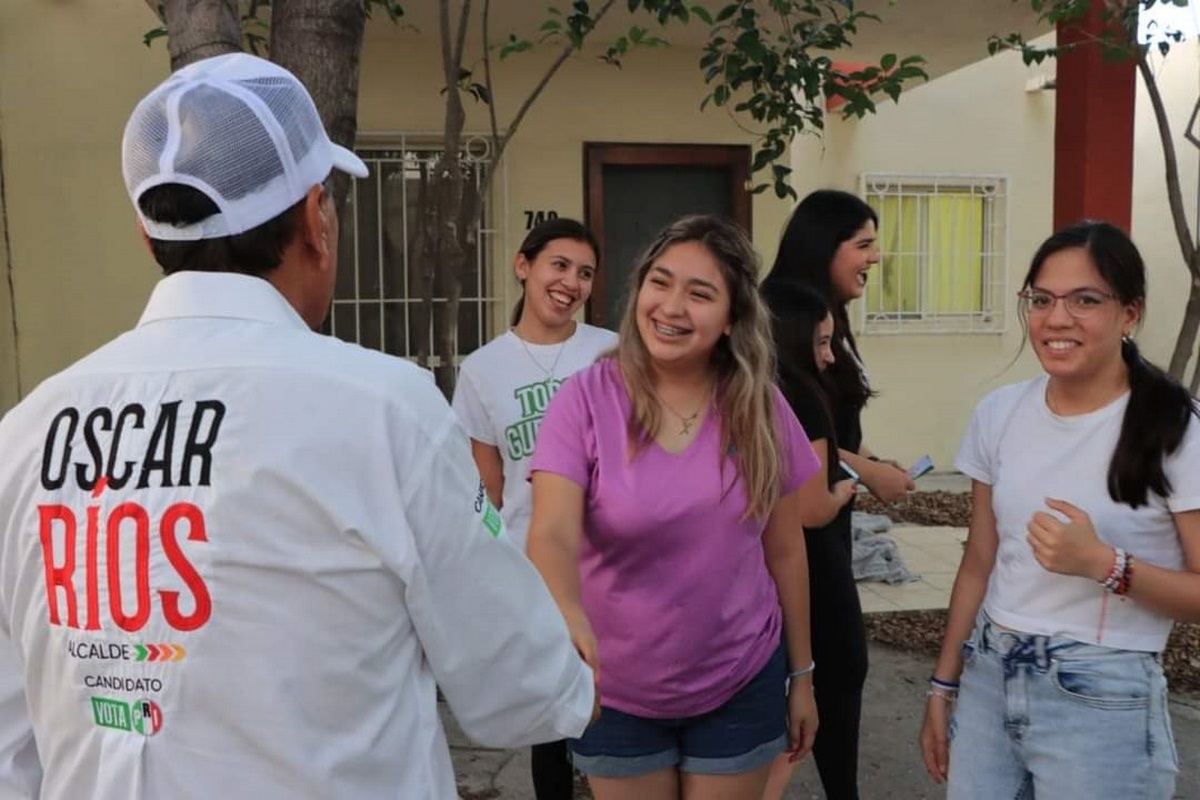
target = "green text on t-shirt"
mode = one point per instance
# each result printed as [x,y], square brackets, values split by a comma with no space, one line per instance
[533,398]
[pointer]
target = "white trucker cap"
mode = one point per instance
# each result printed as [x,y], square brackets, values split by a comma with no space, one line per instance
[240,129]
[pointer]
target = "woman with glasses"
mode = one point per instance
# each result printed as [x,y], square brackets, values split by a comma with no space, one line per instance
[1084,547]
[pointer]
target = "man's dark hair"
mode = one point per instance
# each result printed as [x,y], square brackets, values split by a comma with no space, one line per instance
[255,252]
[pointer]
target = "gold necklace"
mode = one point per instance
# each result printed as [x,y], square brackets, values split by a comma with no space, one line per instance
[553,366]
[686,422]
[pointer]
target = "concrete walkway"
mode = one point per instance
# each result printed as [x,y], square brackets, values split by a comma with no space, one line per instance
[931,552]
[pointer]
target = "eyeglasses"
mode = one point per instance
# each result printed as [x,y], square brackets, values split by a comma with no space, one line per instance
[1080,303]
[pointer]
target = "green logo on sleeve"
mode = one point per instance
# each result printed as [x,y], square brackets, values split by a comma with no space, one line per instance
[491,517]
[492,521]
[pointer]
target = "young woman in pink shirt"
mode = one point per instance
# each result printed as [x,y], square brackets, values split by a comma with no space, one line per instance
[666,523]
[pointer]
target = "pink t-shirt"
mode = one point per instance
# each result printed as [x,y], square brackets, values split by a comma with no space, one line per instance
[674,583]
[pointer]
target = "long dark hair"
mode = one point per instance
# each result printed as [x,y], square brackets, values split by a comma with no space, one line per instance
[542,235]
[796,311]
[1160,408]
[818,226]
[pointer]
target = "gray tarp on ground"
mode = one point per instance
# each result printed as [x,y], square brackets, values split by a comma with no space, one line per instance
[876,556]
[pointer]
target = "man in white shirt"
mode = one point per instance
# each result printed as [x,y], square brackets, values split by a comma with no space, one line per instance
[236,556]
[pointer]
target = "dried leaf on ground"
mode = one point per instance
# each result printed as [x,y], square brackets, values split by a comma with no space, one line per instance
[922,508]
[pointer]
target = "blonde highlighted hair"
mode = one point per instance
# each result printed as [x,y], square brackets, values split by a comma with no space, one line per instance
[743,362]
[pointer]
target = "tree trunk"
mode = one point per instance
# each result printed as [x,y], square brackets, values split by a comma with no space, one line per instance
[1194,386]
[320,42]
[423,263]
[1186,341]
[449,184]
[198,29]
[450,260]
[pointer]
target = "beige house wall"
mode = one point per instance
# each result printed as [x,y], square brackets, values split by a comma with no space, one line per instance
[981,120]
[8,346]
[1179,80]
[653,99]
[69,75]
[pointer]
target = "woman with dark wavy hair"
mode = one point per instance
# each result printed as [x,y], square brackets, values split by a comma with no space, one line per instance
[828,247]
[802,325]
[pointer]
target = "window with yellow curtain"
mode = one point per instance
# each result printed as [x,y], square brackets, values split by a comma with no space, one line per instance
[932,250]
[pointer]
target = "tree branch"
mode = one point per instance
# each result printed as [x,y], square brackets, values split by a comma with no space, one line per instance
[460,41]
[1174,193]
[6,244]
[449,65]
[487,79]
[541,85]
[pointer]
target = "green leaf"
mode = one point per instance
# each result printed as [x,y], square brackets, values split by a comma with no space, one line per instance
[152,34]
[514,45]
[480,93]
[888,62]
[702,14]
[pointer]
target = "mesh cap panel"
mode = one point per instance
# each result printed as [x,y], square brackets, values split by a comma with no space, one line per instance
[239,129]
[212,119]
[300,124]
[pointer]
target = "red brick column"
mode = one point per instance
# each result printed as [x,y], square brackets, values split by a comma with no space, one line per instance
[1093,129]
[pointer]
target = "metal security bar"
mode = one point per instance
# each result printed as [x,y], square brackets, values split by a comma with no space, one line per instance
[943,242]
[377,290]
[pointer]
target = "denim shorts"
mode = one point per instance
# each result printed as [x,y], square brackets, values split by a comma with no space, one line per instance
[1046,716]
[744,734]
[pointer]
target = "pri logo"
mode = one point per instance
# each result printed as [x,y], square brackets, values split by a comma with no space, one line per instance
[140,716]
[147,717]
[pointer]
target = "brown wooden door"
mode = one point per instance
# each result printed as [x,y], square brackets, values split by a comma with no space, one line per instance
[633,190]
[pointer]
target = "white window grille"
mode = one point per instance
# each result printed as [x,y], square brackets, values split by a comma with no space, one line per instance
[943,244]
[377,290]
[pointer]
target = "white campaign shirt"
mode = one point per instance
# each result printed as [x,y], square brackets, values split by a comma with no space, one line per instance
[236,556]
[503,390]
[1027,453]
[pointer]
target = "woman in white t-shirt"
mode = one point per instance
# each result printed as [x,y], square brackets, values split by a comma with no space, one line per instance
[505,386]
[1084,547]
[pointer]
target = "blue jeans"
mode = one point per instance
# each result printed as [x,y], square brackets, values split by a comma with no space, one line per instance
[744,734]
[1049,717]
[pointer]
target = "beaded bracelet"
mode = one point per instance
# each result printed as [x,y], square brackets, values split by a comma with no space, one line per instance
[1117,580]
[1128,572]
[1126,576]
[799,673]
